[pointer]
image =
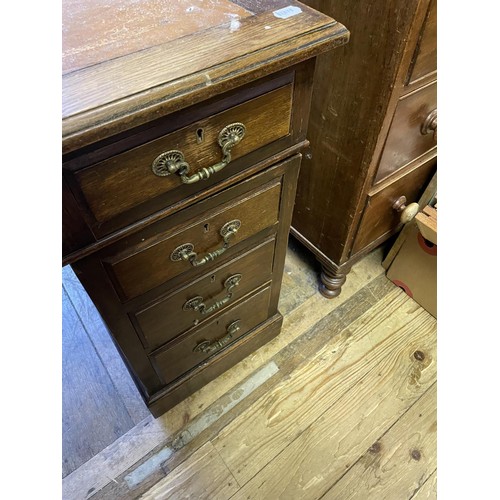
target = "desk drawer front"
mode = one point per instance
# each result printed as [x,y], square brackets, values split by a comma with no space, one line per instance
[157,261]
[172,315]
[212,338]
[409,137]
[124,181]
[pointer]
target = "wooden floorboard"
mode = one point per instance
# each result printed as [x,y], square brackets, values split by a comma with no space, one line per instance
[105,348]
[306,342]
[202,476]
[398,463]
[428,491]
[93,412]
[382,382]
[341,377]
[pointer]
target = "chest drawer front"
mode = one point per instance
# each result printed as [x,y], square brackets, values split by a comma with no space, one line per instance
[127,180]
[211,338]
[380,217]
[425,58]
[194,304]
[411,133]
[155,262]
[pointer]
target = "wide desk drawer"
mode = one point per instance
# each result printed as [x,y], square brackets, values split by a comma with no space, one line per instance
[413,131]
[160,172]
[208,340]
[165,318]
[195,243]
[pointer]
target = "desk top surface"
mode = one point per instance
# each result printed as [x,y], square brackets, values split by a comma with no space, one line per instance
[97,31]
[126,61]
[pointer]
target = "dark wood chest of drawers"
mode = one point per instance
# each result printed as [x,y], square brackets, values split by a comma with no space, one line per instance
[181,151]
[373,132]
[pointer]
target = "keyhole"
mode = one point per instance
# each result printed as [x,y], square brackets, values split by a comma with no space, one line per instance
[200,134]
[212,278]
[206,227]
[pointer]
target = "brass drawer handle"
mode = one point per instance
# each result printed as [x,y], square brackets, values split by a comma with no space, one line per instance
[173,161]
[207,347]
[197,304]
[185,252]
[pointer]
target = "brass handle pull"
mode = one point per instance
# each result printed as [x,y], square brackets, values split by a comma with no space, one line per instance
[197,303]
[173,161]
[407,212]
[207,347]
[430,124]
[185,252]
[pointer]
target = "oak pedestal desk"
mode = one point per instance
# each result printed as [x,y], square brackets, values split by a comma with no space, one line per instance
[183,124]
[373,132]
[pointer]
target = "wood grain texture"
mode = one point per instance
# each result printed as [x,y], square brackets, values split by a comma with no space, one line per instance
[398,463]
[425,59]
[197,70]
[178,357]
[405,141]
[109,463]
[97,283]
[285,413]
[428,491]
[352,90]
[303,308]
[95,32]
[125,180]
[180,195]
[167,317]
[320,455]
[287,359]
[357,90]
[149,264]
[311,325]
[204,476]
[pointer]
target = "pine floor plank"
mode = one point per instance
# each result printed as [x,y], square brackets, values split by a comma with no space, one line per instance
[314,459]
[400,462]
[202,476]
[93,413]
[116,458]
[294,354]
[429,489]
[296,351]
[310,332]
[266,428]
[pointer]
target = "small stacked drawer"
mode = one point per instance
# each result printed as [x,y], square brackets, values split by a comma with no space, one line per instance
[161,320]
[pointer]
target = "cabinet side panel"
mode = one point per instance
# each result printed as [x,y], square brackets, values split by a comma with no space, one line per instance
[352,89]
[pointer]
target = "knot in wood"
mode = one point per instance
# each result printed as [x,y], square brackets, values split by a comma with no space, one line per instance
[419,355]
[415,454]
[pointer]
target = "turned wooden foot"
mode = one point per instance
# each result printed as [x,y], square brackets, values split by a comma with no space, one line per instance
[331,283]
